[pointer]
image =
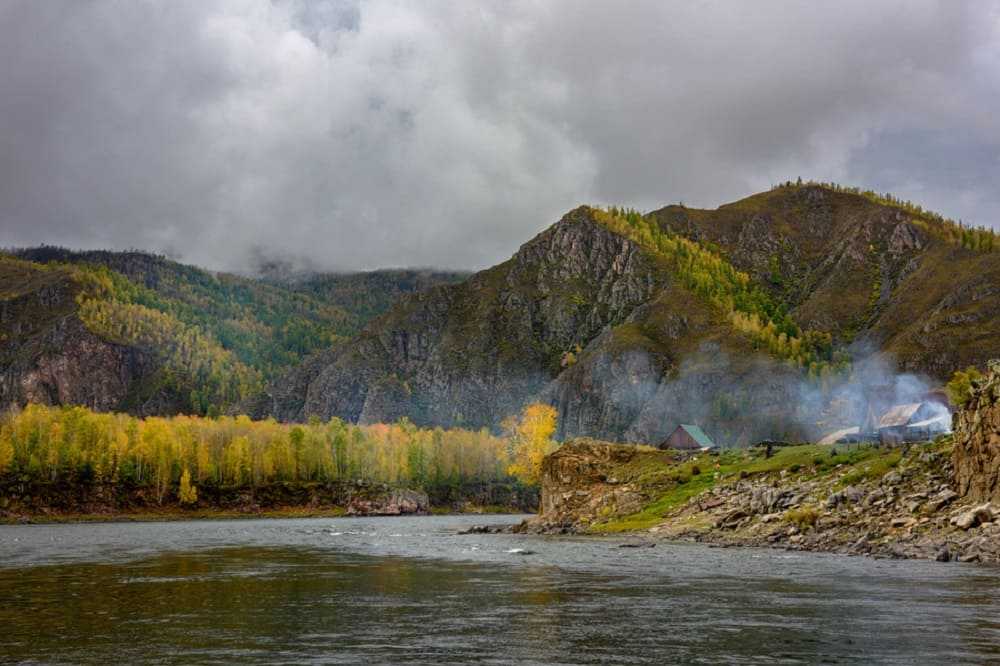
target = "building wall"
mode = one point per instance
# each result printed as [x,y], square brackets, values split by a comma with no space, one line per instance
[679,439]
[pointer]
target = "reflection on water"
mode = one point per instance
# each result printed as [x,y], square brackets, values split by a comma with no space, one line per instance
[411,591]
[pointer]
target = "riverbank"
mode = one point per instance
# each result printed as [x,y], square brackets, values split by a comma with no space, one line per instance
[27,501]
[173,514]
[883,502]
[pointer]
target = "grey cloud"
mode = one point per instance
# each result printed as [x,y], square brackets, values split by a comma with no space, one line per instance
[357,135]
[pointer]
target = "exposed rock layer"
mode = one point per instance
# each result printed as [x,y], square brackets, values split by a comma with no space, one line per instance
[977,441]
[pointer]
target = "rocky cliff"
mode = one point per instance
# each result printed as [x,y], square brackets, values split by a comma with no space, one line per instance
[977,440]
[48,356]
[473,353]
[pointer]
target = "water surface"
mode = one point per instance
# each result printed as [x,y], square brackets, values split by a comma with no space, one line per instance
[410,590]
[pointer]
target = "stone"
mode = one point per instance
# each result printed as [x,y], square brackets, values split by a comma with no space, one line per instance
[731,519]
[940,500]
[892,479]
[390,502]
[853,494]
[973,517]
[943,555]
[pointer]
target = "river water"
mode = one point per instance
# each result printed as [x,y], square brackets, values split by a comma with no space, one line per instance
[411,590]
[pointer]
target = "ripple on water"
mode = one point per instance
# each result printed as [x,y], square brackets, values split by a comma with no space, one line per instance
[409,590]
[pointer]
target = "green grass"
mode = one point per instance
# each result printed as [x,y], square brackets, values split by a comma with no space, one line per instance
[673,484]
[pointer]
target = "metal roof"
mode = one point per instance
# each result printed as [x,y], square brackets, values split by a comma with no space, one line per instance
[698,435]
[835,437]
[899,415]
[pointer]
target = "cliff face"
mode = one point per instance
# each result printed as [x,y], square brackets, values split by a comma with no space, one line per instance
[976,456]
[473,353]
[48,356]
[580,481]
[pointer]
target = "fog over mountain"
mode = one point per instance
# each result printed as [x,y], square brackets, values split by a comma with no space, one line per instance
[350,135]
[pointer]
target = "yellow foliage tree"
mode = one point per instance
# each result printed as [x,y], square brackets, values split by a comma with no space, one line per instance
[532,441]
[6,454]
[187,492]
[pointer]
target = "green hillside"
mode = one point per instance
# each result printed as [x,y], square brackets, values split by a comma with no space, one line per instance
[212,339]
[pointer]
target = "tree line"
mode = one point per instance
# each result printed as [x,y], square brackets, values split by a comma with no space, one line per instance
[174,456]
[979,239]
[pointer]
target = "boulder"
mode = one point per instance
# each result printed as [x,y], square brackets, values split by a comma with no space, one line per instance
[973,517]
[940,500]
[389,502]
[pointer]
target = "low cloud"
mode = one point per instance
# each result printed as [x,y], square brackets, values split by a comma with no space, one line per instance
[357,135]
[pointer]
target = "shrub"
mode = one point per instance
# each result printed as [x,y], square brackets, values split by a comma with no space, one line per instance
[803,517]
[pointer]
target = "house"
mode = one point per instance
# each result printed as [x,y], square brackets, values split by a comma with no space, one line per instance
[922,431]
[688,438]
[912,422]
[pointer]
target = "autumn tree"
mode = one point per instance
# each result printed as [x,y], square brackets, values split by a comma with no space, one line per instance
[959,388]
[532,441]
[187,493]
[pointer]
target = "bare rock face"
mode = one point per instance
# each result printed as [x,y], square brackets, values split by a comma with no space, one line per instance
[977,441]
[578,485]
[48,356]
[473,353]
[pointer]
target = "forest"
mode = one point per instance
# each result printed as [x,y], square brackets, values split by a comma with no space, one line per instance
[174,456]
[750,309]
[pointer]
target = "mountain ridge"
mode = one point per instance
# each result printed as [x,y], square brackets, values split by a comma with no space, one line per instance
[840,262]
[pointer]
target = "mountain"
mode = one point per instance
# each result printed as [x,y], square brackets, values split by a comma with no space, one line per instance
[740,317]
[137,332]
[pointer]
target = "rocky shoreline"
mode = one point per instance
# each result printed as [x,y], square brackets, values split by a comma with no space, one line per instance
[912,511]
[26,502]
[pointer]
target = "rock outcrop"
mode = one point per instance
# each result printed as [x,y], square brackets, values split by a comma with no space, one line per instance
[977,440]
[580,483]
[473,353]
[48,356]
[389,502]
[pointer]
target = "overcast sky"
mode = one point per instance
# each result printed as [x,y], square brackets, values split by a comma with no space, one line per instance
[359,135]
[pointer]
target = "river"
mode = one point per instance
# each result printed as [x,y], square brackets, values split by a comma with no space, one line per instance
[411,590]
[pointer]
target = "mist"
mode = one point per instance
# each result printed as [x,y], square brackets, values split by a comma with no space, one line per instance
[736,401]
